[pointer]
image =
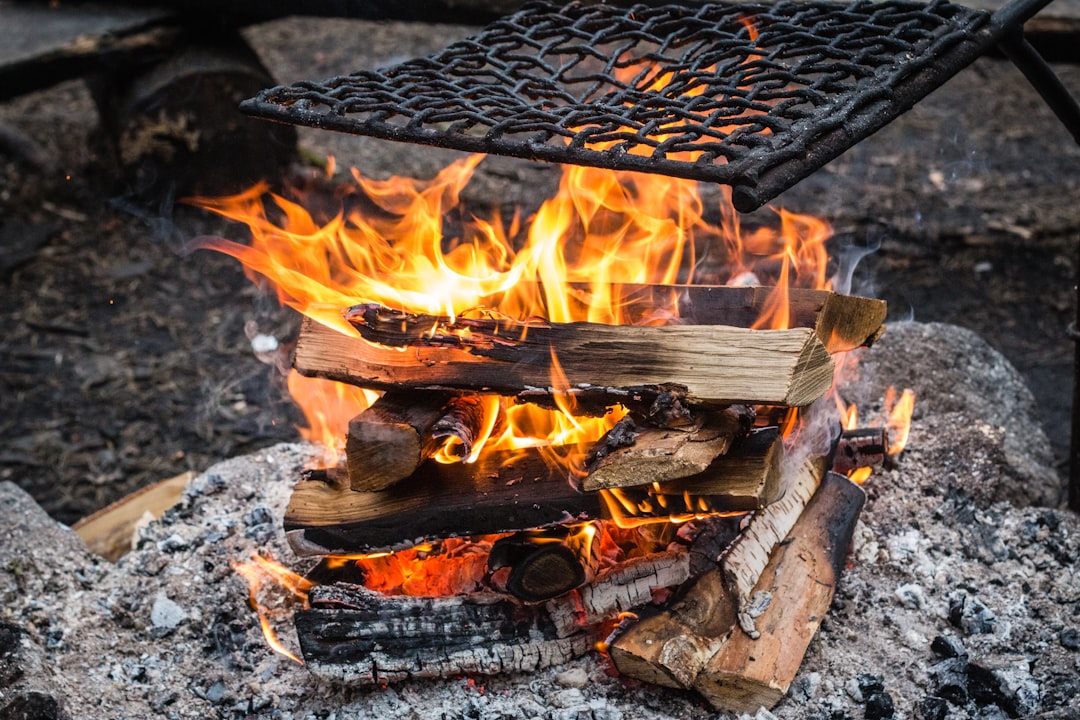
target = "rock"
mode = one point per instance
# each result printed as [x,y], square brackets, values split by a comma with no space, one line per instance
[166,614]
[1069,639]
[954,371]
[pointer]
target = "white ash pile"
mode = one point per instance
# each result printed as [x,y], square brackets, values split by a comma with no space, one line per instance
[958,603]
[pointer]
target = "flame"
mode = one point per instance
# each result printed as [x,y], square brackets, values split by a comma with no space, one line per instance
[602,231]
[899,422]
[895,416]
[327,406]
[267,577]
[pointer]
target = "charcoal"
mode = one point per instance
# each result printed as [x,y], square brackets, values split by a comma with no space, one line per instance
[947,646]
[1005,682]
[949,680]
[933,708]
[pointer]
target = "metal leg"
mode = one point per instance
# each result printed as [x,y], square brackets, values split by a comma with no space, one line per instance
[1042,77]
[1074,444]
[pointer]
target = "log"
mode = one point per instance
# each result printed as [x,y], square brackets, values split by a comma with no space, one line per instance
[502,492]
[671,648]
[698,641]
[388,441]
[352,635]
[708,365]
[860,447]
[801,578]
[618,589]
[542,565]
[112,531]
[632,454]
[746,478]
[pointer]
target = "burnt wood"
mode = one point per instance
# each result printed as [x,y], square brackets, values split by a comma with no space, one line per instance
[860,447]
[501,492]
[352,635]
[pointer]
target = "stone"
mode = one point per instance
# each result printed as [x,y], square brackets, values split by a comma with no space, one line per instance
[166,614]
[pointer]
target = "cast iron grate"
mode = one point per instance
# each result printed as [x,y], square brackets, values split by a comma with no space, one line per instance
[754,96]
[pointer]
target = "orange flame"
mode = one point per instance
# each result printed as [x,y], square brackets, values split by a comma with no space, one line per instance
[602,231]
[265,576]
[899,422]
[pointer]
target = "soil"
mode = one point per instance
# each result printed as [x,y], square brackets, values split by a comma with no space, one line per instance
[124,358]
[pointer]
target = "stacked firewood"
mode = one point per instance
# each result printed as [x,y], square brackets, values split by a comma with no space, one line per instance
[703,399]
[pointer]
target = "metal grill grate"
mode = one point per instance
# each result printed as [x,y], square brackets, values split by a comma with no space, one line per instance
[754,96]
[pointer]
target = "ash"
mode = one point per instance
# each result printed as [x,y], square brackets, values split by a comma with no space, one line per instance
[962,599]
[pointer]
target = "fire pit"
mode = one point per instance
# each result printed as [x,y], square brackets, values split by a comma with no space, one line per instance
[967,612]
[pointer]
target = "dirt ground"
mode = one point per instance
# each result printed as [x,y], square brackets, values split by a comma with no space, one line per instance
[124,360]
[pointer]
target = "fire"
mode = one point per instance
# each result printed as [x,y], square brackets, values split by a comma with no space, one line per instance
[390,244]
[895,417]
[284,587]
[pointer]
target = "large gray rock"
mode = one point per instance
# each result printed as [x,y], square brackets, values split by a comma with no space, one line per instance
[968,391]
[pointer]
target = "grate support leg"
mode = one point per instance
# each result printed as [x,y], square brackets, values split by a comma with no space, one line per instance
[1043,78]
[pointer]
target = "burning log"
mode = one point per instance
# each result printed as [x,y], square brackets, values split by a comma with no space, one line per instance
[714,365]
[542,564]
[502,492]
[709,365]
[698,642]
[388,441]
[630,454]
[618,589]
[860,447]
[746,478]
[356,636]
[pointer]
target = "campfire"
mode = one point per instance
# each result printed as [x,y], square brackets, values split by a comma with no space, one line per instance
[605,426]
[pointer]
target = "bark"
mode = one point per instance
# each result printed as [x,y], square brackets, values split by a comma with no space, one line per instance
[745,559]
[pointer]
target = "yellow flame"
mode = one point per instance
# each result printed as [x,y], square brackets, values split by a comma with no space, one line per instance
[263,574]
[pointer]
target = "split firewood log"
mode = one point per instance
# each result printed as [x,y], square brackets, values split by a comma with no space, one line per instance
[388,441]
[699,642]
[798,587]
[635,454]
